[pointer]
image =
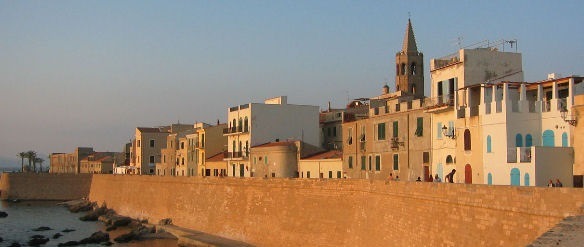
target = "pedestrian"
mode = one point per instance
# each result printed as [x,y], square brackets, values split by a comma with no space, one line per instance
[419,179]
[558,183]
[430,179]
[551,183]
[450,176]
[437,179]
[390,178]
[396,178]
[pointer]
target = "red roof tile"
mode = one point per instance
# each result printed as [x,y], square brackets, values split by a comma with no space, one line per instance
[333,154]
[275,144]
[216,157]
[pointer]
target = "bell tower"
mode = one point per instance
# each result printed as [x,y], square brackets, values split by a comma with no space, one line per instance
[409,66]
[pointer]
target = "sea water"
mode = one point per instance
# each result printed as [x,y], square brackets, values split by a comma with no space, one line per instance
[25,216]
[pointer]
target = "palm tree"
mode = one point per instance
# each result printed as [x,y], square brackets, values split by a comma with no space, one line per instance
[31,155]
[21,155]
[40,162]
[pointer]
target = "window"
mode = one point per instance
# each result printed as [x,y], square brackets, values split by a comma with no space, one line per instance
[395,162]
[439,130]
[255,160]
[426,157]
[266,160]
[420,126]
[564,139]
[328,132]
[330,174]
[350,162]
[151,143]
[203,140]
[395,128]
[548,138]
[245,125]
[413,68]
[370,163]
[518,140]
[308,174]
[182,162]
[182,145]
[335,131]
[338,174]
[403,68]
[381,131]
[350,134]
[363,160]
[378,163]
[151,159]
[528,140]
[489,144]
[138,143]
[362,139]
[467,144]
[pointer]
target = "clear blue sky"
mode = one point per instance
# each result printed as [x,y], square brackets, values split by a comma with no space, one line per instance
[86,73]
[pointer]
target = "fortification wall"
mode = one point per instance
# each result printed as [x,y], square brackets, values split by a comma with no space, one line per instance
[292,212]
[44,186]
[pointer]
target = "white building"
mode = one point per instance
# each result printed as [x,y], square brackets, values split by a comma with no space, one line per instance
[253,124]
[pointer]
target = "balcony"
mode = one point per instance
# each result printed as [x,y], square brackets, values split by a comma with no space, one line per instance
[235,130]
[524,154]
[233,155]
[439,103]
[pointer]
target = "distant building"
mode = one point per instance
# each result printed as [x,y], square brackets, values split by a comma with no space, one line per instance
[216,166]
[69,162]
[208,140]
[253,124]
[327,164]
[98,162]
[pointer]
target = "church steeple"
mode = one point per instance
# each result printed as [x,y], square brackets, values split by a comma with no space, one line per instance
[409,44]
[409,72]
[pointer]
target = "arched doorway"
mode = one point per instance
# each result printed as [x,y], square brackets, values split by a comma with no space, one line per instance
[241,170]
[467,174]
[526,179]
[515,180]
[490,179]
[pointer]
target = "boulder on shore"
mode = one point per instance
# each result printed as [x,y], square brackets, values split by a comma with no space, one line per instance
[3,214]
[94,215]
[78,205]
[57,235]
[167,221]
[96,238]
[42,228]
[37,240]
[69,243]
[68,230]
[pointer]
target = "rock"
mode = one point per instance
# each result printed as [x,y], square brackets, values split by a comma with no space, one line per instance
[68,230]
[69,243]
[15,244]
[96,238]
[94,215]
[108,243]
[120,221]
[42,228]
[79,206]
[37,240]
[3,214]
[111,228]
[57,235]
[1,239]
[124,238]
[167,221]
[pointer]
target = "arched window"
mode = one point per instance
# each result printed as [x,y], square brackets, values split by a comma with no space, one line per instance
[518,140]
[233,147]
[490,179]
[239,150]
[564,139]
[449,159]
[515,176]
[528,140]
[403,68]
[526,179]
[548,138]
[489,144]
[233,125]
[240,125]
[245,125]
[397,69]
[413,68]
[246,148]
[467,144]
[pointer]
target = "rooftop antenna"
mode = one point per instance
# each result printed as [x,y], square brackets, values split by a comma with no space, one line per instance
[459,42]
[511,43]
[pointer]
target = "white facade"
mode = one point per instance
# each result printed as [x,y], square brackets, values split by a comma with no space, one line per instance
[258,123]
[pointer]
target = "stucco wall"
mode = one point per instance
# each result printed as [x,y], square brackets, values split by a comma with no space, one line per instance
[54,186]
[343,212]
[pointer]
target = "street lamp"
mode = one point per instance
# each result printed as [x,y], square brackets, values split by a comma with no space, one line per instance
[448,134]
[564,115]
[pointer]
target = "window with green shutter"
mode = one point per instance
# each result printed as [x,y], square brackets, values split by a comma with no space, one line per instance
[439,130]
[381,131]
[420,126]
[378,163]
[395,162]
[363,160]
[350,162]
[395,128]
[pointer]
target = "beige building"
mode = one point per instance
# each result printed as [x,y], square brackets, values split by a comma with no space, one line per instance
[147,147]
[578,139]
[206,142]
[327,164]
[69,162]
[331,123]
[278,159]
[216,166]
[457,140]
[395,139]
[98,162]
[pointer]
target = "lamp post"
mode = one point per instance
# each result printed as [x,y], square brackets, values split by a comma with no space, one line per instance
[564,115]
[446,133]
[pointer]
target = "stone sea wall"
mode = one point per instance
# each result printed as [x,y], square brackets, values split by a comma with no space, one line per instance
[44,186]
[292,212]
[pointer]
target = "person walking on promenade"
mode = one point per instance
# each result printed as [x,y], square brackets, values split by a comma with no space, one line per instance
[450,176]
[551,183]
[558,183]
[437,179]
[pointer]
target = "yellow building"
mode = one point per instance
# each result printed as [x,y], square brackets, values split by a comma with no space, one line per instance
[69,162]
[327,164]
[98,162]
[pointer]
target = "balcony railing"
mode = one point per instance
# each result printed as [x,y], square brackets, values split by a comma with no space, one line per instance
[440,101]
[231,155]
[235,130]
